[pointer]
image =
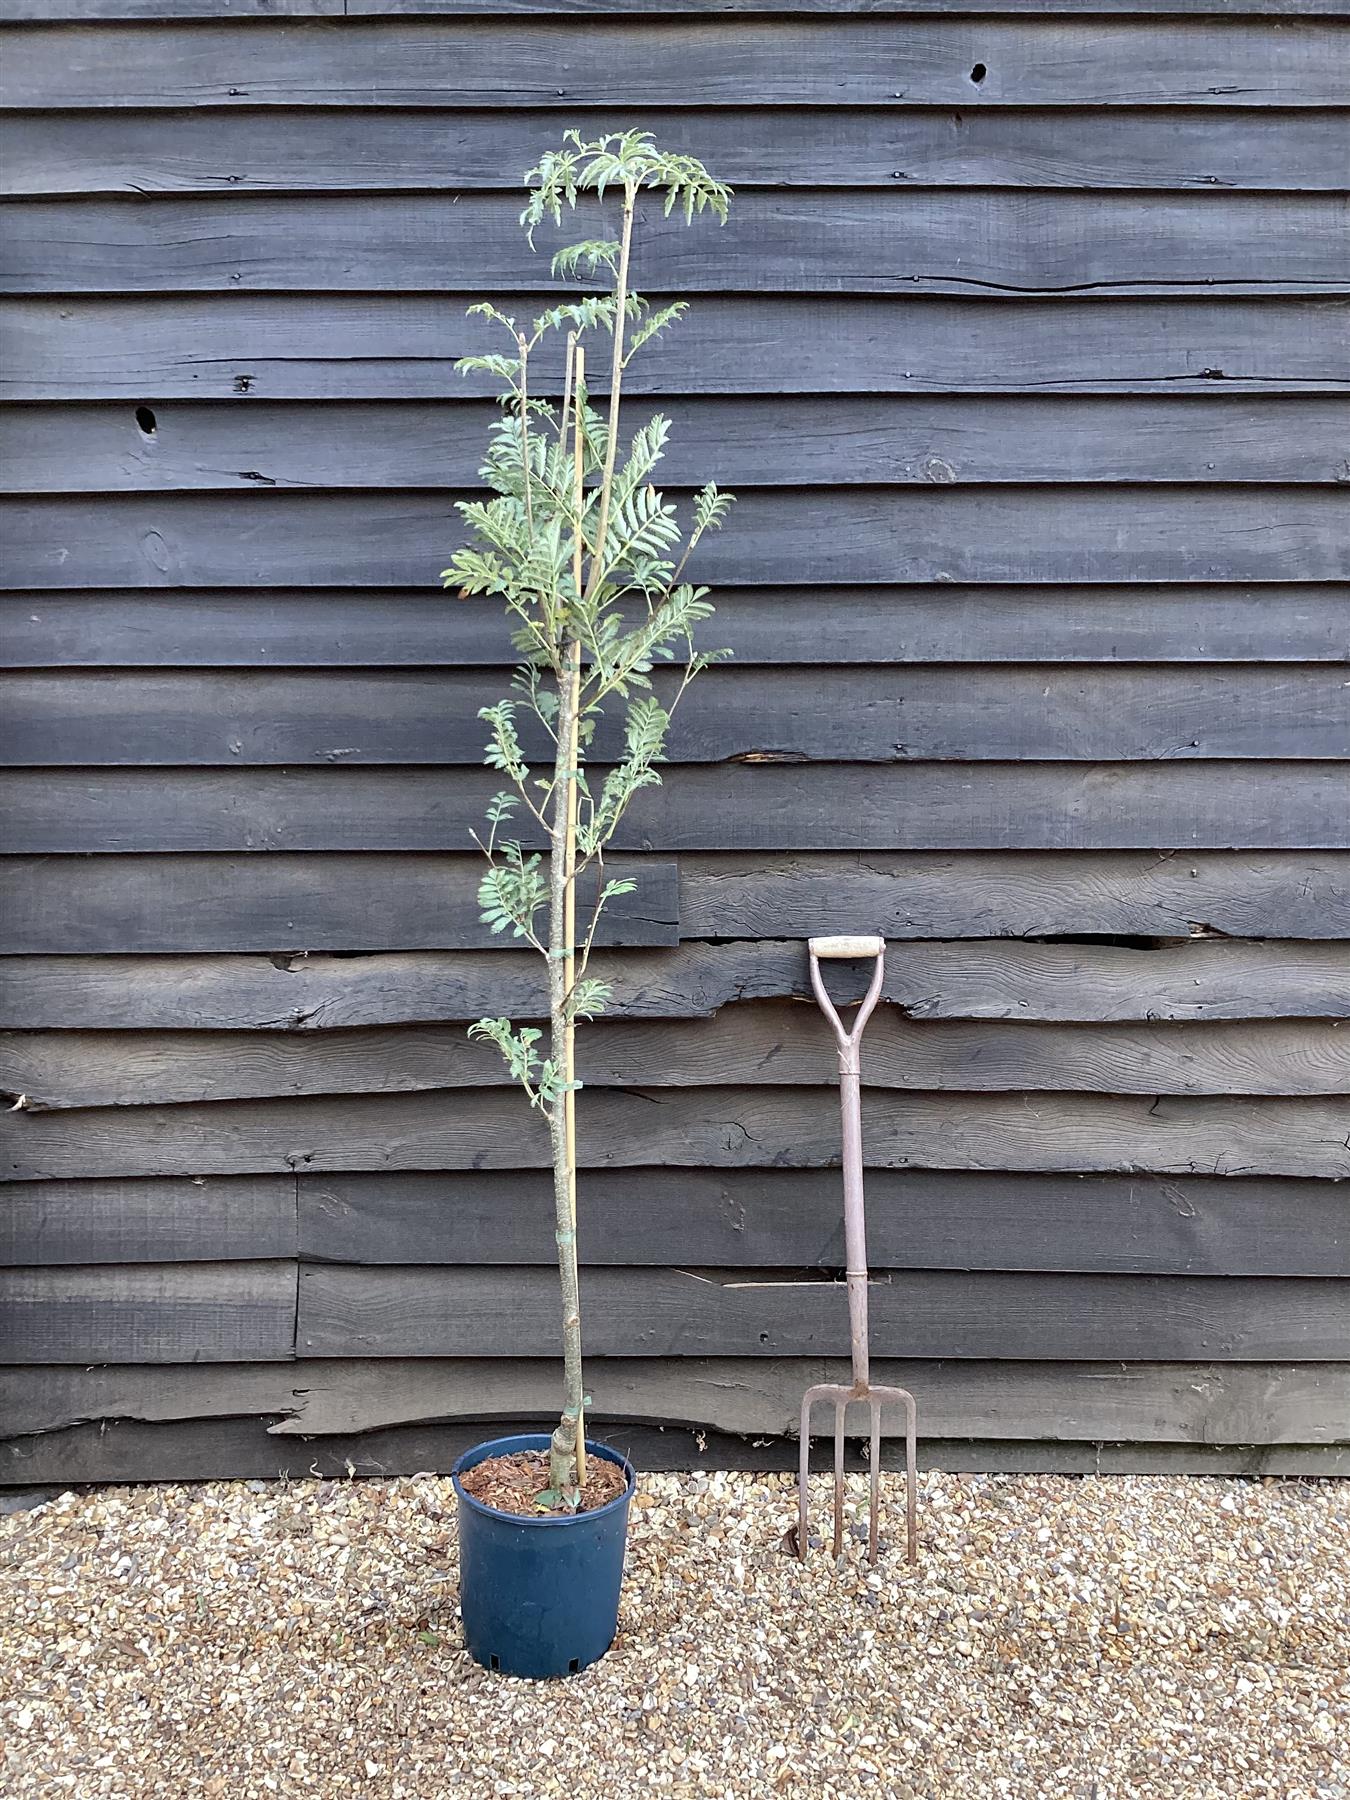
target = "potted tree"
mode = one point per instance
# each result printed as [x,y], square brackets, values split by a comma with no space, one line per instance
[588,559]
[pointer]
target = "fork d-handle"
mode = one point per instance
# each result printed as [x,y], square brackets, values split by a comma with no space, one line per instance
[852,949]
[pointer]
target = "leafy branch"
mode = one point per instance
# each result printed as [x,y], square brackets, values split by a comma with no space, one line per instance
[587,557]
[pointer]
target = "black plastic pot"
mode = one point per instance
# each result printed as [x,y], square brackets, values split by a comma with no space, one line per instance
[539,1596]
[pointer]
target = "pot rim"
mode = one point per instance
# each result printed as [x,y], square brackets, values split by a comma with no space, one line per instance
[539,1440]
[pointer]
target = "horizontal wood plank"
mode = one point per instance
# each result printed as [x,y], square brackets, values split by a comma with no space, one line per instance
[185,1312]
[1163,894]
[346,347]
[713,1127]
[296,904]
[1154,979]
[349,150]
[860,714]
[762,1218]
[230,1449]
[741,806]
[47,12]
[40,12]
[754,1043]
[1183,1403]
[774,536]
[240,1219]
[671,1313]
[1272,622]
[204,903]
[912,241]
[562,64]
[751,442]
[735,1218]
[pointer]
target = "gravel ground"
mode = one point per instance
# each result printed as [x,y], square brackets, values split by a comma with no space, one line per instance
[1061,1638]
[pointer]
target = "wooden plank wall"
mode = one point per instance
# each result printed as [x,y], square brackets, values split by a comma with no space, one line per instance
[1027,349]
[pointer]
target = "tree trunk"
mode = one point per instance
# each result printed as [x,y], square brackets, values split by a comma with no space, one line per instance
[565,1448]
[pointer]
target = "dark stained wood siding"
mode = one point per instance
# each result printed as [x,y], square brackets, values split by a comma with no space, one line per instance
[1027,349]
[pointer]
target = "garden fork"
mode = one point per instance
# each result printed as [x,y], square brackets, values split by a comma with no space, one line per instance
[848,949]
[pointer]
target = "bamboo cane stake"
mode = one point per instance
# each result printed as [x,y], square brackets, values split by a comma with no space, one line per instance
[573,676]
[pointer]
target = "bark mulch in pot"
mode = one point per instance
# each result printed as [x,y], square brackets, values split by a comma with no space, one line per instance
[512,1484]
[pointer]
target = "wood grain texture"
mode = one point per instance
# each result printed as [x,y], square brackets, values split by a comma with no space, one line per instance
[735,1218]
[348,150]
[755,1043]
[722,1128]
[189,1312]
[240,1219]
[299,904]
[672,1313]
[860,715]
[1273,622]
[765,1218]
[386,347]
[913,534]
[213,1449]
[949,241]
[741,806]
[565,63]
[839,442]
[1216,1403]
[1085,982]
[49,11]
[1160,894]
[206,903]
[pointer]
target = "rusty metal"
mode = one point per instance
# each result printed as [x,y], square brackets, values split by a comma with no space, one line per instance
[855,1240]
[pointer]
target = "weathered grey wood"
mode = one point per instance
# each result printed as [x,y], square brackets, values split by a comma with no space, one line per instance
[563,64]
[741,806]
[333,628]
[343,903]
[714,1127]
[350,150]
[1187,1403]
[740,1218]
[367,903]
[198,1312]
[778,1045]
[670,1313]
[239,1219]
[371,347]
[912,241]
[47,11]
[1203,979]
[1153,894]
[938,440]
[903,534]
[861,714]
[212,1449]
[761,1218]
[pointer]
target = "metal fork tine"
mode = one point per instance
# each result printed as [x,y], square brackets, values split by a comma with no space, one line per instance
[840,1406]
[874,1492]
[911,1480]
[802,1467]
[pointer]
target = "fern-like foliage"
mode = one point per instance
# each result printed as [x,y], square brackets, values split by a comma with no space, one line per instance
[631,612]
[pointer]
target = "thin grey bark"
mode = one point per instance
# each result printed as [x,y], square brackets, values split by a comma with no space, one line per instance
[563,1448]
